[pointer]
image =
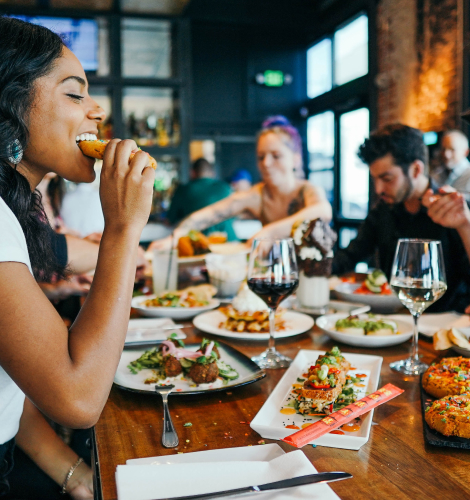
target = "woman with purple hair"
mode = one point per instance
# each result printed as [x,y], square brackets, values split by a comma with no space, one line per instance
[281,199]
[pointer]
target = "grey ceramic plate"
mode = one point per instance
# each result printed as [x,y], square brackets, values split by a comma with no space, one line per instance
[248,370]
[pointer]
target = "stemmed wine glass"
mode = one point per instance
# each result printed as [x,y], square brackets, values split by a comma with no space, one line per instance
[419,279]
[273,276]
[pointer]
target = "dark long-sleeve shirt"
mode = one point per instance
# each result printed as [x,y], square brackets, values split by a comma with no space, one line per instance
[379,234]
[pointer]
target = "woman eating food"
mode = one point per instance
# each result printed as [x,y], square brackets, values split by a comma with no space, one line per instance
[45,109]
[278,201]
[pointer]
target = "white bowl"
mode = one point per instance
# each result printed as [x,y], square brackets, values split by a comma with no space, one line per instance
[378,303]
[327,325]
[170,312]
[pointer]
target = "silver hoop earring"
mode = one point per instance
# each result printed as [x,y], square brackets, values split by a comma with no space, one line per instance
[15,152]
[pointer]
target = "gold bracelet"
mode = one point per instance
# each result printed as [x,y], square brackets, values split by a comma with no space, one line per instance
[69,475]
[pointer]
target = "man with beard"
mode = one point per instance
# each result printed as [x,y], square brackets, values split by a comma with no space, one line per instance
[410,205]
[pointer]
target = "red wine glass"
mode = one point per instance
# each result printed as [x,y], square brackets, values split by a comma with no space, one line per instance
[273,276]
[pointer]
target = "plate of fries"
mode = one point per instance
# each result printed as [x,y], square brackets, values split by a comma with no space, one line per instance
[228,322]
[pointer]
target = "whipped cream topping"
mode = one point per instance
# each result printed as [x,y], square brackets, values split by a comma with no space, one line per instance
[86,137]
[247,301]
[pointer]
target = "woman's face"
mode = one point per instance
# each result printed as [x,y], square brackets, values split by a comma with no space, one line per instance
[61,111]
[276,161]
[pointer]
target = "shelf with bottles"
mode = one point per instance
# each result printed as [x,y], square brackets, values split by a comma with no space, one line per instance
[151,116]
[166,179]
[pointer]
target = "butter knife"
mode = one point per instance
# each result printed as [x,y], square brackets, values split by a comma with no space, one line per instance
[323,477]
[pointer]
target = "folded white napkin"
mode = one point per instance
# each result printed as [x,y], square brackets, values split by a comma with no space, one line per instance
[148,330]
[429,323]
[147,482]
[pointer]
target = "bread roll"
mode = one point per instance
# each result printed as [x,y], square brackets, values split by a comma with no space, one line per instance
[441,340]
[458,338]
[95,149]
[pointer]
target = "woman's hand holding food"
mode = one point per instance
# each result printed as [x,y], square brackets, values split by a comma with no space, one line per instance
[126,188]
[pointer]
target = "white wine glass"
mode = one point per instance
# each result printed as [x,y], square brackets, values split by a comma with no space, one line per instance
[273,276]
[419,279]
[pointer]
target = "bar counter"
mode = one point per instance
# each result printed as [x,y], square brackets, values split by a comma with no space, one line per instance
[394,464]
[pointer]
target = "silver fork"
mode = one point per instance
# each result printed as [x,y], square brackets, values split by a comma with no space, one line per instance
[169,436]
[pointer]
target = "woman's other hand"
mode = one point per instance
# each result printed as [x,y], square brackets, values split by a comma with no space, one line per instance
[80,486]
[126,188]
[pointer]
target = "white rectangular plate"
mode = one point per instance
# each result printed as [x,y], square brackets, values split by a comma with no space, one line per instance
[270,422]
[149,330]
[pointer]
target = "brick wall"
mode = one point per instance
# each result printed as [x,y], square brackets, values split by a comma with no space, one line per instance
[419,79]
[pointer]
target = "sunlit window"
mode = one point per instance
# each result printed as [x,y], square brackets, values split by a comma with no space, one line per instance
[354,175]
[351,51]
[319,76]
[321,150]
[350,47]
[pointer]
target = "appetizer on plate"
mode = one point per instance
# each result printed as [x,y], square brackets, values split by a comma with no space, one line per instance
[248,313]
[193,296]
[327,386]
[450,415]
[375,283]
[195,243]
[171,359]
[451,376]
[366,325]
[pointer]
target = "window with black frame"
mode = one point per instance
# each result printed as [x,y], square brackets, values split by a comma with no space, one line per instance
[338,121]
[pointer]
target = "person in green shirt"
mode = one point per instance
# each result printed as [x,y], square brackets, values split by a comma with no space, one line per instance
[201,191]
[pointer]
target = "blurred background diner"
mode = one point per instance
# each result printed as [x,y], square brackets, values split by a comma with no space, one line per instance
[195,79]
[191,81]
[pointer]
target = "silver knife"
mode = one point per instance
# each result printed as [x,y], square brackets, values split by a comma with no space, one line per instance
[323,477]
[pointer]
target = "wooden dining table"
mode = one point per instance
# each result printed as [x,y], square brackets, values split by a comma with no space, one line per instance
[395,463]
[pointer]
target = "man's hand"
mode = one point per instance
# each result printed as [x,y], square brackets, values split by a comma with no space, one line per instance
[447,208]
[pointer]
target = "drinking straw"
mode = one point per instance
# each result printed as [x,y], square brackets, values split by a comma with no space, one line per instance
[341,417]
[167,282]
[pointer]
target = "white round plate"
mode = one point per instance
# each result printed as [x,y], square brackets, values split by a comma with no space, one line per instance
[327,325]
[295,324]
[377,302]
[170,312]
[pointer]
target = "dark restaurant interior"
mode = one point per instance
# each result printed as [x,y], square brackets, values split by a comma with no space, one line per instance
[322,260]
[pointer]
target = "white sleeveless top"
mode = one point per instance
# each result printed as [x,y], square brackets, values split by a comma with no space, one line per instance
[13,248]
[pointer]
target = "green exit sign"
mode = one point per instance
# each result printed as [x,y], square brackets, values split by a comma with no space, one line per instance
[273,78]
